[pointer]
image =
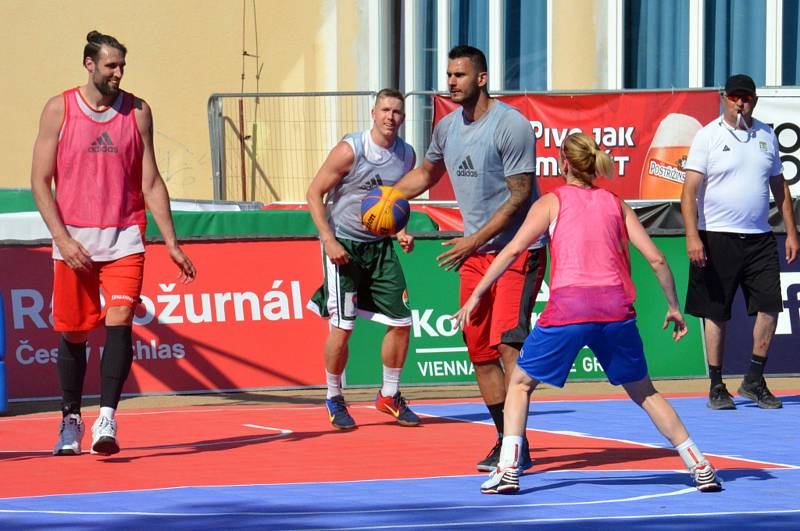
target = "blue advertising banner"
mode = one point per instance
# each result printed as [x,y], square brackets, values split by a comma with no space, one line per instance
[784,354]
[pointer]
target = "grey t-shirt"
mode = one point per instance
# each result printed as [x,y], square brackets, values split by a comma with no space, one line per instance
[479,156]
[373,166]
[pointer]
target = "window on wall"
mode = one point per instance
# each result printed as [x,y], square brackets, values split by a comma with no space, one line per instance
[469,23]
[656,44]
[791,28]
[735,40]
[426,40]
[525,38]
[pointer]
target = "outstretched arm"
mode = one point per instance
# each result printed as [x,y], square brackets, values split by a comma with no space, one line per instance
[538,219]
[461,248]
[156,196]
[420,179]
[640,239]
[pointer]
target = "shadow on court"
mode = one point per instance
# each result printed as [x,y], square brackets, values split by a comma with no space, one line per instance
[788,401]
[665,478]
[571,458]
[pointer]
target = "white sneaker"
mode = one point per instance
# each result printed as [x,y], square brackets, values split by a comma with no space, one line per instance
[104,436]
[502,481]
[69,438]
[705,478]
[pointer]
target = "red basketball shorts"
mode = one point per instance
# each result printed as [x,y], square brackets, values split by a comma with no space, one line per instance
[503,314]
[76,294]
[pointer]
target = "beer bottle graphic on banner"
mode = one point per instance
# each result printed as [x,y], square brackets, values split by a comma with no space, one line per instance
[662,171]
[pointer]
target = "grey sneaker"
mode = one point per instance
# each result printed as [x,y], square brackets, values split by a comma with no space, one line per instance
[501,481]
[104,436]
[70,436]
[705,478]
[758,393]
[720,398]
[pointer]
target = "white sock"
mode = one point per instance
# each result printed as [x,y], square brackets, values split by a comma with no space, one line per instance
[107,412]
[510,452]
[691,454]
[334,384]
[391,381]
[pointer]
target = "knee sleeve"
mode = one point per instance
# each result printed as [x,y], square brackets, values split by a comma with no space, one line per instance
[116,364]
[71,366]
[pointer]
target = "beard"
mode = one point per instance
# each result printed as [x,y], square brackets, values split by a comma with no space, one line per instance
[105,89]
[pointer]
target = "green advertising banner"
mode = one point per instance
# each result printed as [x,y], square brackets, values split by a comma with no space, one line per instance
[437,354]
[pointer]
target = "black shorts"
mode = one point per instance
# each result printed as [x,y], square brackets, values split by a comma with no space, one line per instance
[734,260]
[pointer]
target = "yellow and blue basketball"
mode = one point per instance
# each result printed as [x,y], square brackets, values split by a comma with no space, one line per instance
[384,211]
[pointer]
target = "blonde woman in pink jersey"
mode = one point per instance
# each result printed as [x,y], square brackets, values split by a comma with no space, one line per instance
[96,142]
[591,303]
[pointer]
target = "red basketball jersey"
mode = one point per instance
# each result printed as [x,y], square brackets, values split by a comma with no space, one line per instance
[99,164]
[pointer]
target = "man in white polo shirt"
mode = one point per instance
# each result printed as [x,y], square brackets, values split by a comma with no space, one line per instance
[732,165]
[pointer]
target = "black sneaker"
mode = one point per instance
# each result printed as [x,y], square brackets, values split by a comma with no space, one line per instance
[489,463]
[720,398]
[758,393]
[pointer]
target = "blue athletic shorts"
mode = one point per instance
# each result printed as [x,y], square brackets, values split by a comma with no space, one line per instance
[550,351]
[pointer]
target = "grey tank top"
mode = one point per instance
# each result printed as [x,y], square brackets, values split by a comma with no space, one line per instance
[373,166]
[479,156]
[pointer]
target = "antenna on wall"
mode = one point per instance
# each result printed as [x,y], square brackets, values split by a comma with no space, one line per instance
[258,68]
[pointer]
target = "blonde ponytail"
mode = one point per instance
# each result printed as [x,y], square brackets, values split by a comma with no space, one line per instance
[586,159]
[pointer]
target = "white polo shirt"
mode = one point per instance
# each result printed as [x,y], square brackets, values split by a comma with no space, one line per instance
[737,165]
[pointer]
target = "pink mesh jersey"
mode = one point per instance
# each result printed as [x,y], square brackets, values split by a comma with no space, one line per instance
[590,271]
[99,164]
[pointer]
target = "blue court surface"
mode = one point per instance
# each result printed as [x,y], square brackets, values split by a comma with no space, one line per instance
[599,464]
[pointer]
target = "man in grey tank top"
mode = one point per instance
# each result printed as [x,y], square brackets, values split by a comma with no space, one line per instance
[363,276]
[489,152]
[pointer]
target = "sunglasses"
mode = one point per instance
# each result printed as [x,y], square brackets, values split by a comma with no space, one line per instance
[736,98]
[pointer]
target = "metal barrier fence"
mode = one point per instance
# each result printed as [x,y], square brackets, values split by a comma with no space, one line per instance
[267,147]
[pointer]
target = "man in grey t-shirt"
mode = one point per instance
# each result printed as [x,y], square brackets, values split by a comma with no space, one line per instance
[488,149]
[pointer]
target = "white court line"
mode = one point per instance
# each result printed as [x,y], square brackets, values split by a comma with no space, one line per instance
[648,445]
[156,489]
[626,441]
[283,432]
[480,476]
[363,511]
[506,522]
[197,409]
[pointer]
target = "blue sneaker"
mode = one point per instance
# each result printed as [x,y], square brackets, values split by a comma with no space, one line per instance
[338,415]
[397,407]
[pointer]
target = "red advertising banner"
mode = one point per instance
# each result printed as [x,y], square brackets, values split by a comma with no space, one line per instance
[241,325]
[647,134]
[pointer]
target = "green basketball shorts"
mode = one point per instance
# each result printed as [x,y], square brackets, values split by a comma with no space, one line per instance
[371,285]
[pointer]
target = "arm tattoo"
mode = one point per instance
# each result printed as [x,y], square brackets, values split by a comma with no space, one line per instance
[520,186]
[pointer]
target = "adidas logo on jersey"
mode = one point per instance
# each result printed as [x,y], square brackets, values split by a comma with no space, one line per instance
[726,148]
[372,182]
[103,144]
[466,168]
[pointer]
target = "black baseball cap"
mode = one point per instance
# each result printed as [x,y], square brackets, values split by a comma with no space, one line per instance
[740,83]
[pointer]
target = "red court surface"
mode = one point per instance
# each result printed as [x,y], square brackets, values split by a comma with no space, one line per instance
[239,445]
